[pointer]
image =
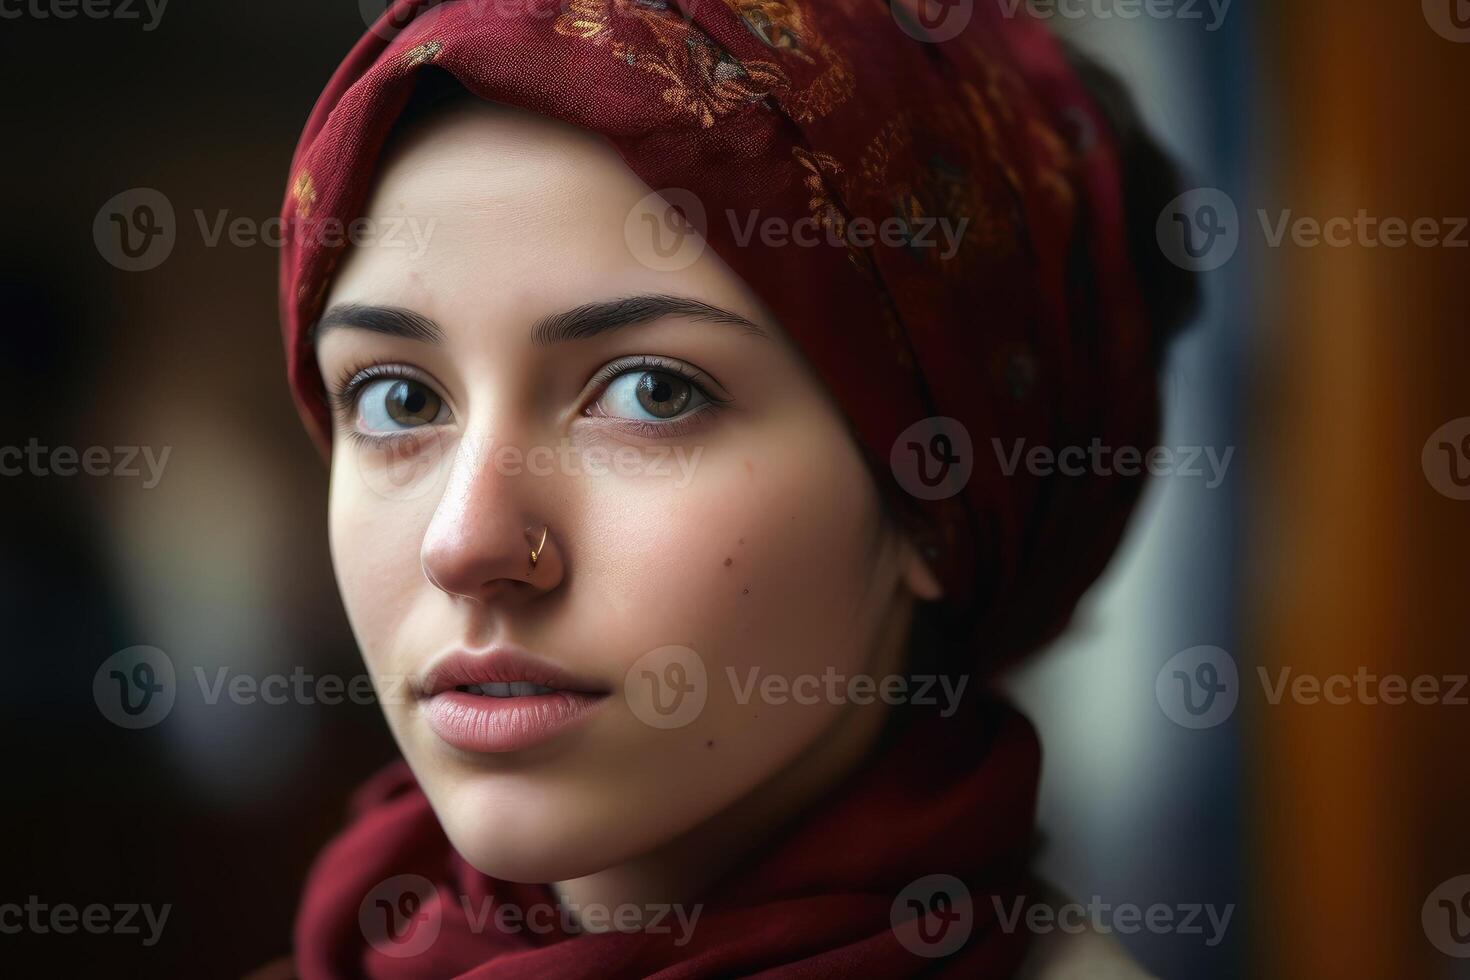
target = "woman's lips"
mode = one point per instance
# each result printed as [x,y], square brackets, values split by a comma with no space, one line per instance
[502,700]
[480,723]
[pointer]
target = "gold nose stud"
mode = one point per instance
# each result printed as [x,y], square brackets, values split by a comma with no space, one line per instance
[536,551]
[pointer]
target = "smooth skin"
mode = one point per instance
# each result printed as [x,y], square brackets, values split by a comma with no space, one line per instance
[772,552]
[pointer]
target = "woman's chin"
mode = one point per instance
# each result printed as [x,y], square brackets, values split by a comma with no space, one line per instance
[543,857]
[537,870]
[531,837]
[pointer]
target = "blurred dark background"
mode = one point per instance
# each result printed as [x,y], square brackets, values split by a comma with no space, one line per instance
[1327,549]
[223,563]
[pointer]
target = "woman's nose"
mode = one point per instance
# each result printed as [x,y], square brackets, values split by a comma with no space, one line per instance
[487,539]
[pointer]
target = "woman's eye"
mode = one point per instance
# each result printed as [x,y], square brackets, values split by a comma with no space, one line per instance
[649,395]
[395,404]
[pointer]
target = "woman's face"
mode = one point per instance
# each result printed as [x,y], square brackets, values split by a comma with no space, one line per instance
[704,506]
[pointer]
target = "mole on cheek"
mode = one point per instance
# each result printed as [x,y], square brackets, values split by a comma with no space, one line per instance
[729,562]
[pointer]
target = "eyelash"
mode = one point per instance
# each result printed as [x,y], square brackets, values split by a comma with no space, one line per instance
[698,380]
[343,393]
[342,397]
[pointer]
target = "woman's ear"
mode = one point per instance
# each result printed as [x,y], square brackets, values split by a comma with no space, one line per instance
[917,574]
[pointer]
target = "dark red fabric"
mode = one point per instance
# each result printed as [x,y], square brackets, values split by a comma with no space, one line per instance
[817,903]
[1033,330]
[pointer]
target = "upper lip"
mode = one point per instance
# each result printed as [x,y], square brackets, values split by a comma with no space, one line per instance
[498,664]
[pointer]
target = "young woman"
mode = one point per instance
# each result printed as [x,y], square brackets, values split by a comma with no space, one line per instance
[659,352]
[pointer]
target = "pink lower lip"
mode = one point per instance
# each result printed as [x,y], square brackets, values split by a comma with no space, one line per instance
[478,723]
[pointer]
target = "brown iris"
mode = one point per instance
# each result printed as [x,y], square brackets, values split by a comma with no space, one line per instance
[409,403]
[663,395]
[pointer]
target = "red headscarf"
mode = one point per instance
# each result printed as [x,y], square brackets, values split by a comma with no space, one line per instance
[1030,334]
[840,895]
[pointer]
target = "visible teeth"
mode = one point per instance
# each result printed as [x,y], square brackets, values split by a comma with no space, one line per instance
[510,689]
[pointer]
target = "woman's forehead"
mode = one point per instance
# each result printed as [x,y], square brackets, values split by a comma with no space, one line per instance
[490,199]
[483,154]
[485,212]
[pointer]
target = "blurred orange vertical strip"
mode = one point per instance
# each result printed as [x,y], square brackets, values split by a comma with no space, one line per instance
[1356,561]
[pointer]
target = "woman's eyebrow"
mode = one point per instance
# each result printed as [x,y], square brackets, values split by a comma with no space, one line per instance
[578,323]
[591,319]
[391,320]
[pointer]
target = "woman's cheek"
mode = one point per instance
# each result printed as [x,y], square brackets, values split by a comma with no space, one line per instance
[376,543]
[739,566]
